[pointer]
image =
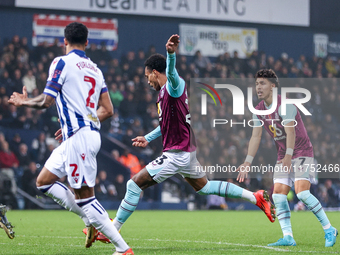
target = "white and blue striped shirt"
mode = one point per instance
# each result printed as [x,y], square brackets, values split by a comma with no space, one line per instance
[76,83]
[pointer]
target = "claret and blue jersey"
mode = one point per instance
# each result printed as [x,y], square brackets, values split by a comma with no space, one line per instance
[173,111]
[76,83]
[273,125]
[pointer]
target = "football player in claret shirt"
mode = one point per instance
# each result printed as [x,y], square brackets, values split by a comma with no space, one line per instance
[179,146]
[294,158]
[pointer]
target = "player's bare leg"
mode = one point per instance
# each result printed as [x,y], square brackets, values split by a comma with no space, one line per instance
[302,188]
[134,187]
[4,223]
[45,177]
[225,189]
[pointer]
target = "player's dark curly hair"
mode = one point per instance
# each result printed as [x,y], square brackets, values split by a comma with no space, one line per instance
[76,33]
[157,62]
[268,74]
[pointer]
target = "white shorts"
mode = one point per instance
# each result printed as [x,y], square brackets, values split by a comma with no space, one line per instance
[174,162]
[76,158]
[301,170]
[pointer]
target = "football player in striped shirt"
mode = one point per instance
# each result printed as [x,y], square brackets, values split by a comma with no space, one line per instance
[78,87]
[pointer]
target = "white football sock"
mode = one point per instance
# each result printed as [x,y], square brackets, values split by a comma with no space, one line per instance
[118,225]
[64,197]
[100,219]
[249,196]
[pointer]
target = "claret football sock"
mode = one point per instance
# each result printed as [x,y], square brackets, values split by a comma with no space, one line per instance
[283,213]
[128,204]
[314,205]
[64,197]
[227,189]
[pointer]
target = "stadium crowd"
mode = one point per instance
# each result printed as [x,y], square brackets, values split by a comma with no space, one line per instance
[136,114]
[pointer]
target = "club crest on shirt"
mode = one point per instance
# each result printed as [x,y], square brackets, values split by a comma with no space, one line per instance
[56,73]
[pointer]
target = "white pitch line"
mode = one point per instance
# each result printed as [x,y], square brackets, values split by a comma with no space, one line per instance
[207,242]
[190,241]
[231,244]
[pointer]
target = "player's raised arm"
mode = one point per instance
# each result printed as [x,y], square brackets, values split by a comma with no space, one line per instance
[176,85]
[39,102]
[254,144]
[105,108]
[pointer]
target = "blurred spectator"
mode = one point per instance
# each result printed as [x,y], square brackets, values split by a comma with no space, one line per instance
[115,95]
[55,48]
[15,143]
[17,81]
[7,157]
[8,162]
[151,51]
[201,61]
[128,108]
[104,188]
[332,198]
[130,161]
[120,186]
[41,82]
[40,152]
[29,81]
[23,156]
[127,138]
[28,184]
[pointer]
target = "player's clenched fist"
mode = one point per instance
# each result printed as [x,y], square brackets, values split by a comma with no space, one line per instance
[172,44]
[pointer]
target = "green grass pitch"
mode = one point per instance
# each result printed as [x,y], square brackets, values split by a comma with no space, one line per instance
[168,232]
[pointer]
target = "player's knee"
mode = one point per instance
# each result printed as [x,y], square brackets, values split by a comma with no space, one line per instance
[39,182]
[303,195]
[205,190]
[132,186]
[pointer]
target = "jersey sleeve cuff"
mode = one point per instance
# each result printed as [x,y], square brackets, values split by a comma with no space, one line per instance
[104,90]
[50,93]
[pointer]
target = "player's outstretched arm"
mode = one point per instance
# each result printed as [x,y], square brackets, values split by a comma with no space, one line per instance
[254,144]
[140,141]
[39,102]
[105,109]
[143,141]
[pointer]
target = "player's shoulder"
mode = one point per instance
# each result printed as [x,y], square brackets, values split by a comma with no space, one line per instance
[260,106]
[290,109]
[56,60]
